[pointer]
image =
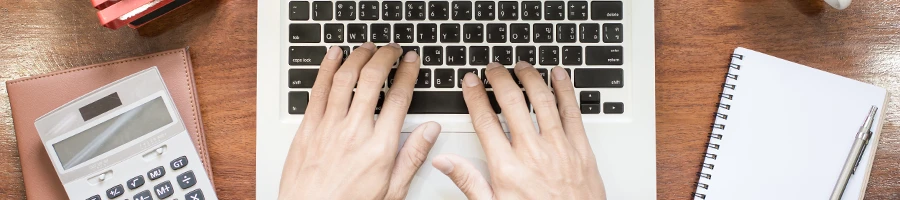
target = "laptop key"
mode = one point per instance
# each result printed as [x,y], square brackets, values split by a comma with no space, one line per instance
[508,10]
[571,55]
[590,97]
[554,10]
[322,10]
[502,54]
[392,10]
[606,10]
[590,108]
[478,55]
[590,33]
[473,33]
[462,10]
[297,102]
[433,55]
[544,74]
[345,50]
[415,10]
[357,33]
[543,33]
[443,78]
[496,33]
[549,55]
[299,10]
[306,55]
[368,10]
[599,78]
[519,33]
[381,33]
[613,108]
[424,79]
[603,55]
[443,102]
[408,49]
[345,10]
[438,10]
[304,33]
[531,10]
[427,33]
[334,33]
[484,10]
[456,55]
[578,10]
[527,54]
[450,33]
[404,33]
[612,33]
[461,73]
[566,33]
[302,78]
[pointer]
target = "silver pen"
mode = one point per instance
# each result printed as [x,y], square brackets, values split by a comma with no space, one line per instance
[856,151]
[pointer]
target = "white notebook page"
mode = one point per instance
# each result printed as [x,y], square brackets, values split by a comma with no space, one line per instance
[789,131]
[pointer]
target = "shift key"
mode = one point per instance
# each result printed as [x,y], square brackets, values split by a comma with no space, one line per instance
[306,55]
[599,78]
[603,55]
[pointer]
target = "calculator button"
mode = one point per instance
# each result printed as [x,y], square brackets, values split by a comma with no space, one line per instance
[155,173]
[135,182]
[187,179]
[164,190]
[95,197]
[179,162]
[194,195]
[115,191]
[144,195]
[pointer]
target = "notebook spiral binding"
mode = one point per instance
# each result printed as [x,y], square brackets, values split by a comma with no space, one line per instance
[706,168]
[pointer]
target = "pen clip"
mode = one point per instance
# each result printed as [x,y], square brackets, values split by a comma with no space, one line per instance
[861,151]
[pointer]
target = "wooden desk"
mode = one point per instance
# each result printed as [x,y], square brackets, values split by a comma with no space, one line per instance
[693,41]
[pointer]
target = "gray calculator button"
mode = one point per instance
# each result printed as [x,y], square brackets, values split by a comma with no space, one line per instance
[144,195]
[157,172]
[194,195]
[187,179]
[178,163]
[163,190]
[135,182]
[95,197]
[115,191]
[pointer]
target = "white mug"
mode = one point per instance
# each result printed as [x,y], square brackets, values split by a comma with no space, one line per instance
[839,4]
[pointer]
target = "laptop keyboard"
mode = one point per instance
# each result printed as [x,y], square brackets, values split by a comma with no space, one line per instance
[457,37]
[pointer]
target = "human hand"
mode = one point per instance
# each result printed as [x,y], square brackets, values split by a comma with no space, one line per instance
[340,151]
[555,163]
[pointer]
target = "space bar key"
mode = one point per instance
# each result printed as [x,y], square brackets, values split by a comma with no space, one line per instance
[438,102]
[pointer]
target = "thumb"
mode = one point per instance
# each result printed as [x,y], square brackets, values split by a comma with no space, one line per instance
[465,176]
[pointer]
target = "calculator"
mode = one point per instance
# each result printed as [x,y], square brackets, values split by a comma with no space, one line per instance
[125,140]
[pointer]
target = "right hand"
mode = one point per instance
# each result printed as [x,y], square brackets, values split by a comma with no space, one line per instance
[555,163]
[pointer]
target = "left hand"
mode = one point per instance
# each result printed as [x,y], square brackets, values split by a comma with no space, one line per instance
[340,151]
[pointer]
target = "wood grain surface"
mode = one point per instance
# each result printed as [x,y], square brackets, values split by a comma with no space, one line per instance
[693,41]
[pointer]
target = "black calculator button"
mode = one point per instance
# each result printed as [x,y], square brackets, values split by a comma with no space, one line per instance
[163,190]
[194,195]
[95,197]
[144,195]
[115,191]
[135,182]
[179,162]
[187,179]
[157,172]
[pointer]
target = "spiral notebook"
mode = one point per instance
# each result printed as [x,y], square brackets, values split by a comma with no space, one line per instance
[783,131]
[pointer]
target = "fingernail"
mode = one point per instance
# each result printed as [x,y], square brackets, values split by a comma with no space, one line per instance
[471,80]
[410,56]
[431,132]
[369,46]
[395,45]
[494,65]
[443,164]
[559,73]
[334,52]
[522,65]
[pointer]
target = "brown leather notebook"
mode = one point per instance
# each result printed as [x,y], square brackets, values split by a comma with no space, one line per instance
[35,96]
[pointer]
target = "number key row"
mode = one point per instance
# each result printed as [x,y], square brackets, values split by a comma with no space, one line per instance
[457,10]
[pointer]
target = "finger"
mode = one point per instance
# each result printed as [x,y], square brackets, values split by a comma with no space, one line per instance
[484,120]
[371,82]
[543,102]
[569,111]
[396,102]
[521,128]
[465,176]
[345,79]
[411,157]
[318,96]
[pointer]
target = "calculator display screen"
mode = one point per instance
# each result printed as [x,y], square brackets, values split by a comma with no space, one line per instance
[112,133]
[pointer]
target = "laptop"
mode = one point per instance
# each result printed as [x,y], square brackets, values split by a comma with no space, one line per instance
[608,47]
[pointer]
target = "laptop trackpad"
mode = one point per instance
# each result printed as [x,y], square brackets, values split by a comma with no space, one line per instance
[430,183]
